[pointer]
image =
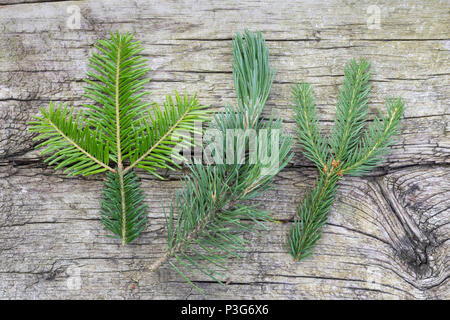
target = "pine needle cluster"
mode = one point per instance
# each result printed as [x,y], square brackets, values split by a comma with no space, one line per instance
[353,148]
[208,218]
[118,132]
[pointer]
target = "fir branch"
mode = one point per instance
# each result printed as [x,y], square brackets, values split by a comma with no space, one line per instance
[356,151]
[118,71]
[176,120]
[209,216]
[125,131]
[71,142]
[119,193]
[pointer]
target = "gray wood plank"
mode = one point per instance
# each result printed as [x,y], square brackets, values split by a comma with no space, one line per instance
[387,236]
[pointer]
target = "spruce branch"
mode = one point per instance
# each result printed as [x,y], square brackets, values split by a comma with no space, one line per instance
[312,215]
[209,216]
[308,131]
[375,142]
[355,149]
[351,109]
[118,132]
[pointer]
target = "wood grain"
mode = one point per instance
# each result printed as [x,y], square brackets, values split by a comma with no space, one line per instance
[387,236]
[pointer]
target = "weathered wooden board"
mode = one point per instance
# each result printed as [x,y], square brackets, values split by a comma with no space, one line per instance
[388,233]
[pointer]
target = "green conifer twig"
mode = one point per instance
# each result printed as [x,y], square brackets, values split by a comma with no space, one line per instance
[208,217]
[116,130]
[350,150]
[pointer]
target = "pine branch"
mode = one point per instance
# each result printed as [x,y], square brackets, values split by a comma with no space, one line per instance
[209,216]
[356,151]
[125,131]
[252,74]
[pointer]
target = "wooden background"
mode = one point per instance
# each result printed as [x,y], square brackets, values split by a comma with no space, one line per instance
[388,233]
